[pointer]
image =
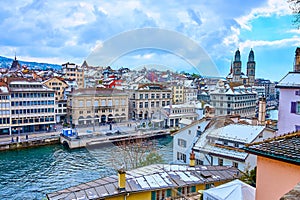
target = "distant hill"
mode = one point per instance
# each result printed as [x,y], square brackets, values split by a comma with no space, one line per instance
[6,63]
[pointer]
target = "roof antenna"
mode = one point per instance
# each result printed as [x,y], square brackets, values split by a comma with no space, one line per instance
[15,56]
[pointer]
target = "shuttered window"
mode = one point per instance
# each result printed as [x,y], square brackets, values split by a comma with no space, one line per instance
[293,107]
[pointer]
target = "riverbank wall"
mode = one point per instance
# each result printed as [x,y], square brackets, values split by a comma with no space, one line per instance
[35,142]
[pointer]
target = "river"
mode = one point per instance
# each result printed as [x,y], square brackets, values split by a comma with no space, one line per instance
[32,173]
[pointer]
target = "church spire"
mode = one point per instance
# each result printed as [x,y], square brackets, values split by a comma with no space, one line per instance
[251,56]
[297,60]
[237,56]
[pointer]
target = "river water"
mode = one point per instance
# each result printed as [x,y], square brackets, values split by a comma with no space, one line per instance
[32,173]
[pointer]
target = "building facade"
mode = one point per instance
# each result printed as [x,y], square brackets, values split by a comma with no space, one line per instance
[32,106]
[175,113]
[88,106]
[148,100]
[75,72]
[289,99]
[229,100]
[58,85]
[178,93]
[278,166]
[4,109]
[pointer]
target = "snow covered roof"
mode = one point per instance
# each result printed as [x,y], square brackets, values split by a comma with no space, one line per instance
[237,132]
[3,89]
[148,178]
[185,121]
[291,80]
[178,106]
[215,150]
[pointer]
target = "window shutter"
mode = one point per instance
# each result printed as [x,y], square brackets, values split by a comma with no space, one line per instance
[153,195]
[169,193]
[293,107]
[179,191]
[193,189]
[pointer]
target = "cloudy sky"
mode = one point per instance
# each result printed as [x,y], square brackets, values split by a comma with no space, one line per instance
[59,31]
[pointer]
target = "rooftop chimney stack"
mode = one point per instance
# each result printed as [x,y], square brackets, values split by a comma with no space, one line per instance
[121,179]
[262,111]
[192,159]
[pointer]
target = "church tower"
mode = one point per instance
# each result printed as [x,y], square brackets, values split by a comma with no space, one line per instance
[297,60]
[237,67]
[251,68]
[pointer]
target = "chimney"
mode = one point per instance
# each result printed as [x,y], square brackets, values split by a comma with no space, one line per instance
[122,179]
[192,159]
[262,111]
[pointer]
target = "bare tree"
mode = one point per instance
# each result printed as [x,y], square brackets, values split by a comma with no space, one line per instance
[295,6]
[135,153]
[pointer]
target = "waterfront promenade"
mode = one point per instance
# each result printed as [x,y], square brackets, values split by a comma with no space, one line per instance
[126,128]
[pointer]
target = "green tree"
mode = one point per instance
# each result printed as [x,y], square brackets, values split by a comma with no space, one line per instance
[249,177]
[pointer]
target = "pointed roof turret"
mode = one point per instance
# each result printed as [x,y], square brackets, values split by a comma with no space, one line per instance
[237,56]
[251,56]
[15,66]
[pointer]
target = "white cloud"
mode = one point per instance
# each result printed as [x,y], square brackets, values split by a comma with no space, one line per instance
[273,7]
[294,41]
[232,39]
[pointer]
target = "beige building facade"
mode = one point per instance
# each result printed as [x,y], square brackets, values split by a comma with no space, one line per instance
[148,100]
[58,86]
[73,71]
[87,106]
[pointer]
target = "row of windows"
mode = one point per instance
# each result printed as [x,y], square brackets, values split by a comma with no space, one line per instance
[4,121]
[62,105]
[32,120]
[4,112]
[25,86]
[181,156]
[146,104]
[153,96]
[4,97]
[245,97]
[32,103]
[61,111]
[5,105]
[36,110]
[221,163]
[31,95]
[56,88]
[55,83]
[235,105]
[183,110]
[103,103]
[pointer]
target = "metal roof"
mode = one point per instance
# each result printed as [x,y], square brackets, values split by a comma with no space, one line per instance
[149,178]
